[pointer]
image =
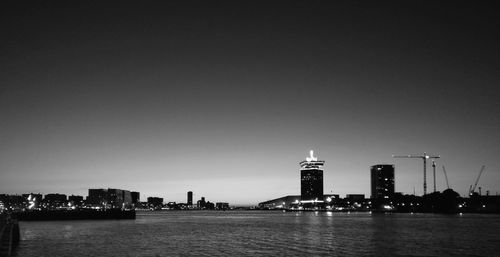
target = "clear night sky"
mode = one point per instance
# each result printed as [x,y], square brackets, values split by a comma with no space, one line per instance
[226,98]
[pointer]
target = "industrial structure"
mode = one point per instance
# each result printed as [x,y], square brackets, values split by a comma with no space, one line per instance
[472,190]
[446,177]
[424,157]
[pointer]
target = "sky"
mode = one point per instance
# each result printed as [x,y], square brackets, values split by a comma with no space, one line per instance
[225,98]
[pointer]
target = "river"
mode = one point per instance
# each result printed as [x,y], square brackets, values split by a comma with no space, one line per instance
[265,233]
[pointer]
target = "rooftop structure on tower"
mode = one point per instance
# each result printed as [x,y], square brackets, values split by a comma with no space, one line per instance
[311,178]
[311,162]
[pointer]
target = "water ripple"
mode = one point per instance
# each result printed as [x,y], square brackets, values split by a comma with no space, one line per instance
[254,233]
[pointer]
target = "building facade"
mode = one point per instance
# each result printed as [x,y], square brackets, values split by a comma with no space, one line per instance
[311,178]
[190,198]
[76,200]
[155,202]
[136,197]
[382,181]
[110,198]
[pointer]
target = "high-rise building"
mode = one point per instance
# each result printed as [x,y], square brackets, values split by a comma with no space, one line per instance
[311,178]
[382,181]
[190,198]
[136,198]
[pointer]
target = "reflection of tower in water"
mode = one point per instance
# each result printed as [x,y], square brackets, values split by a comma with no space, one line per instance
[311,178]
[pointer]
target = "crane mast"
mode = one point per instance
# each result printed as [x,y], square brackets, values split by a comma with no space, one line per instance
[434,174]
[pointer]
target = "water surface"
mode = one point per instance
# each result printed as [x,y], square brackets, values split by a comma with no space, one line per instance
[265,233]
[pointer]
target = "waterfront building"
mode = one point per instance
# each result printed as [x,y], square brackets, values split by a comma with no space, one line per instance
[294,201]
[13,202]
[189,198]
[311,179]
[222,206]
[136,198]
[55,198]
[280,203]
[97,197]
[205,205]
[382,181]
[155,202]
[75,200]
[110,198]
[119,198]
[201,203]
[311,189]
[51,201]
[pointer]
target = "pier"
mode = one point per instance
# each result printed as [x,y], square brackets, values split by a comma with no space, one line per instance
[45,215]
[9,235]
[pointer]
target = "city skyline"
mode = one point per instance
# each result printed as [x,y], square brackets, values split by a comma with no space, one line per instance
[226,99]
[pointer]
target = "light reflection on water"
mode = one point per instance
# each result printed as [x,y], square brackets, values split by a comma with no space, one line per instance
[255,233]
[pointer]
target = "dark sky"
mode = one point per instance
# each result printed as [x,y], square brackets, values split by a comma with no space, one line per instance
[225,98]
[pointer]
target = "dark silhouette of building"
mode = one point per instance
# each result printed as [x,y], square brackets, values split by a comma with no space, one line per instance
[205,205]
[110,198]
[55,198]
[382,181]
[155,202]
[97,197]
[51,201]
[280,203]
[201,203]
[119,198]
[37,197]
[13,202]
[311,178]
[222,206]
[76,200]
[190,198]
[136,198]
[355,197]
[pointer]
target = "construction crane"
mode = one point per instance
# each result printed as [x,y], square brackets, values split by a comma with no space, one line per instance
[473,189]
[446,177]
[424,157]
[434,174]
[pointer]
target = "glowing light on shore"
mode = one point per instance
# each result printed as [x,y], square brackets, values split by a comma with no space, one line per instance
[31,201]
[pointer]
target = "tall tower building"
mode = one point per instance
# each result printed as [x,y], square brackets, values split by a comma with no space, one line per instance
[311,178]
[135,197]
[382,178]
[190,198]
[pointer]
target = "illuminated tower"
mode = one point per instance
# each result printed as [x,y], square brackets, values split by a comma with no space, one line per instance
[311,178]
[382,178]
